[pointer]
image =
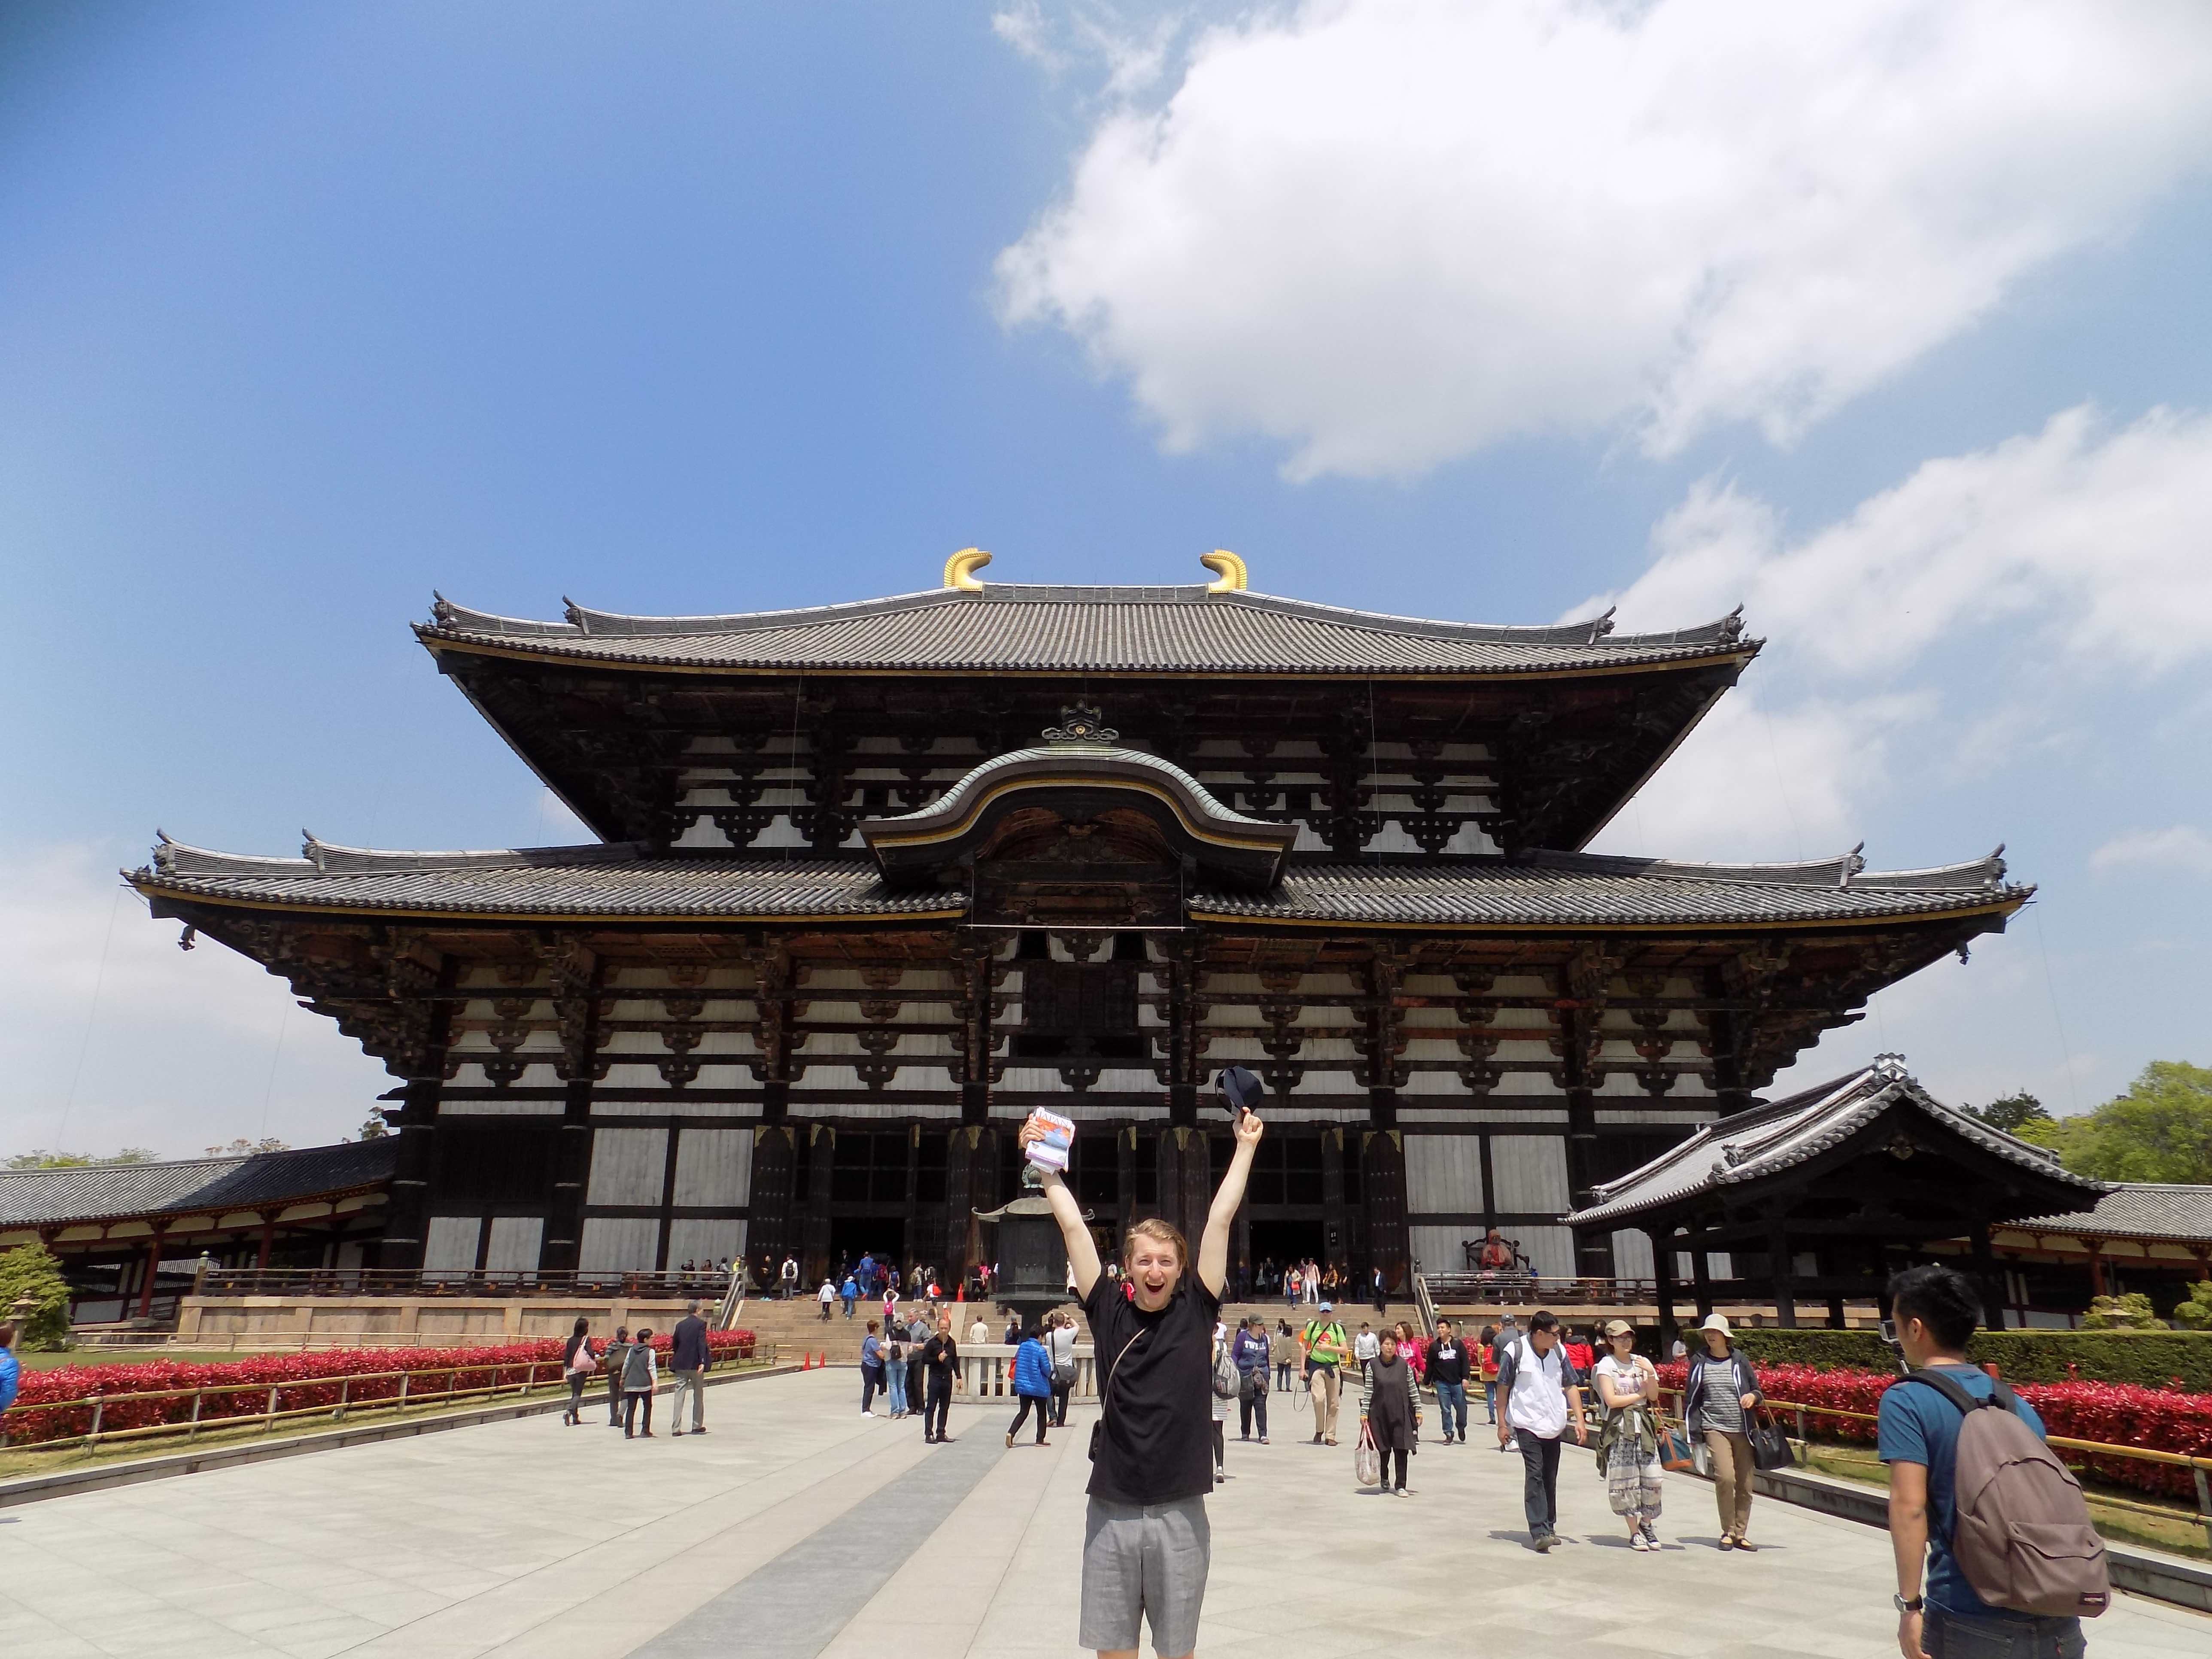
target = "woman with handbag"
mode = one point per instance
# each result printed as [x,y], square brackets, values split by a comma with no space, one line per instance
[1391,1411]
[1628,1440]
[1033,1384]
[1718,1402]
[1228,1386]
[578,1362]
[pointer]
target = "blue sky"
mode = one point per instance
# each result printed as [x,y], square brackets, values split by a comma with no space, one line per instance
[1494,312]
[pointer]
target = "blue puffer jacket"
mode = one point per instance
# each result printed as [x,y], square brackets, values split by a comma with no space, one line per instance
[1033,1370]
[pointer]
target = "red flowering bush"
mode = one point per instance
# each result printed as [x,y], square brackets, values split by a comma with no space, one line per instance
[302,1381]
[2111,1414]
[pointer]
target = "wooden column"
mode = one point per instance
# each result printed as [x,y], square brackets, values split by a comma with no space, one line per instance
[821,1154]
[417,1123]
[1783,1269]
[1701,1277]
[1988,1279]
[1339,1244]
[1382,1185]
[1662,1278]
[153,1267]
[579,976]
[268,1238]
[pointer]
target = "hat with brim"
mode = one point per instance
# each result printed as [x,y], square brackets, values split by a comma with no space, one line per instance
[1618,1327]
[1718,1323]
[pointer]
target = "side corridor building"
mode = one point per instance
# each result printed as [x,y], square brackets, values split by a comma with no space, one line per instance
[873,880]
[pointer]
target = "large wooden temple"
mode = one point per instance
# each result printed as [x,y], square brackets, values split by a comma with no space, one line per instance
[874,879]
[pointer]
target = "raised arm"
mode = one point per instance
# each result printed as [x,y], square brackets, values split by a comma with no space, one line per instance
[1213,1247]
[1082,1248]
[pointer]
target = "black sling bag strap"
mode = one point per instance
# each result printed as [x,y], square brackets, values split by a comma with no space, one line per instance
[1104,1392]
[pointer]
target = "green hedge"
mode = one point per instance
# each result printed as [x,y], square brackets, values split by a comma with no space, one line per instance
[2152,1358]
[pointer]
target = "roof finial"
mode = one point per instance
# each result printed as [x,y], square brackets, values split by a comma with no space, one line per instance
[960,570]
[1230,576]
[1891,1068]
[1080,723]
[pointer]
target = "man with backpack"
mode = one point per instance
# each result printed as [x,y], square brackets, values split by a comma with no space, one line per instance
[2011,1563]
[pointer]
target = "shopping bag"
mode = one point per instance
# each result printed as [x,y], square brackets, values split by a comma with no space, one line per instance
[1367,1459]
[1674,1452]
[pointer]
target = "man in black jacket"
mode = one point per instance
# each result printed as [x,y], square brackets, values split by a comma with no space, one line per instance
[688,1357]
[1448,1375]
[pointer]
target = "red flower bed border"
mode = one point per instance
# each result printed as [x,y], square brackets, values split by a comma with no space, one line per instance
[2111,1414]
[303,1382]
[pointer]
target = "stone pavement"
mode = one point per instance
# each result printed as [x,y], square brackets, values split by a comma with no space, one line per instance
[798,1527]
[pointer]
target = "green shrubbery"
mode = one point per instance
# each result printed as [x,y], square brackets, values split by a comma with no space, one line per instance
[2152,1358]
[30,1271]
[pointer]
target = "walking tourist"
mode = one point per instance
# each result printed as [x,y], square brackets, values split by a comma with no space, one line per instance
[918,1332]
[1538,1393]
[640,1377]
[848,1293]
[1285,1351]
[1219,1401]
[1060,1348]
[1722,1391]
[688,1357]
[1032,1385]
[1448,1375]
[1313,1283]
[1380,1289]
[578,1362]
[1012,1337]
[1146,1542]
[1327,1349]
[1293,1285]
[617,1356]
[1628,1440]
[1251,1353]
[894,1351]
[940,1362]
[827,1295]
[789,1277]
[1936,1309]
[1364,1347]
[865,1276]
[1486,1354]
[1412,1351]
[871,1368]
[12,1369]
[1391,1411]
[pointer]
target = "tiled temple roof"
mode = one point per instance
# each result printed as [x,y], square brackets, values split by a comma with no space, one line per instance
[39,1198]
[1752,1145]
[621,880]
[2137,1209]
[1015,628]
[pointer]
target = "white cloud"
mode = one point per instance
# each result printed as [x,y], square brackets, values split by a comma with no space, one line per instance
[161,1048]
[1386,232]
[2183,847]
[2099,543]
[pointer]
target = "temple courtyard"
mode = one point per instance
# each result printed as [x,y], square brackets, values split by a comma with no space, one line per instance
[797,1527]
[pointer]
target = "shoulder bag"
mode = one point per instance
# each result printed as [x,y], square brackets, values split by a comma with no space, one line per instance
[1770,1448]
[1106,1393]
[1366,1457]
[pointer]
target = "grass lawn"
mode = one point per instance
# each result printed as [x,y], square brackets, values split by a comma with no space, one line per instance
[2183,1534]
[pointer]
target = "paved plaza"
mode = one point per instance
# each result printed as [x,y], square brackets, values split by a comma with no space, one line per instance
[797,1527]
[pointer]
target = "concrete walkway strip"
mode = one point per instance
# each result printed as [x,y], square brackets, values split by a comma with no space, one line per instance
[792,1608]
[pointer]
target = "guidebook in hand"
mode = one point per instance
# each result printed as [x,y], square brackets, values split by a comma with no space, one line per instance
[1049,1150]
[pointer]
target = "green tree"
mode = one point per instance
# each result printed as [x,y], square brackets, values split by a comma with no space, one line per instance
[2011,1112]
[2195,1313]
[42,1159]
[373,1127]
[30,1273]
[242,1147]
[2160,1130]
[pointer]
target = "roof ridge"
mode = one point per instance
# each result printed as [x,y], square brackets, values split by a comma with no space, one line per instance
[176,858]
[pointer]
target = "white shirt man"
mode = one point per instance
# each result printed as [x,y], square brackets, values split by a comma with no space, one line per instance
[1540,1390]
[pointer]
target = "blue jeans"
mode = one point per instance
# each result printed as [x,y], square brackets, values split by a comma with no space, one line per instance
[1490,1400]
[1948,1635]
[1451,1397]
[895,1374]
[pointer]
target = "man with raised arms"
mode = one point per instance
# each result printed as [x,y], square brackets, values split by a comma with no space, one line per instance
[1146,1546]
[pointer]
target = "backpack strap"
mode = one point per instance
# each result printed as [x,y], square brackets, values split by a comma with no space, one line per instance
[1954,1391]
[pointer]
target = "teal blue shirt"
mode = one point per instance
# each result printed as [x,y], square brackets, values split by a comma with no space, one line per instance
[1919,1426]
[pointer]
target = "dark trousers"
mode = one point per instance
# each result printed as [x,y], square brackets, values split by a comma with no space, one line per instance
[1250,1405]
[1220,1447]
[871,1384]
[1059,1393]
[1949,1635]
[1043,1413]
[1399,1455]
[1451,1397]
[937,1403]
[576,1380]
[631,1402]
[1540,1482]
[614,1394]
[1282,1377]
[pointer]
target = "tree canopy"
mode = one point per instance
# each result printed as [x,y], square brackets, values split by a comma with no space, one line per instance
[2009,1112]
[2160,1130]
[42,1159]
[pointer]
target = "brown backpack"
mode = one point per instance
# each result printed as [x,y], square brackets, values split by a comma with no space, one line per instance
[2022,1535]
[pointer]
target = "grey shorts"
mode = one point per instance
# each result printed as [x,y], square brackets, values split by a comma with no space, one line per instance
[1144,1559]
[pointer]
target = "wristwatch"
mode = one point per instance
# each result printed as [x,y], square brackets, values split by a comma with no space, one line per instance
[1905,1606]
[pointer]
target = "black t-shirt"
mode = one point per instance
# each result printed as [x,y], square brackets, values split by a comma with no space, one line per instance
[1157,1442]
[940,1354]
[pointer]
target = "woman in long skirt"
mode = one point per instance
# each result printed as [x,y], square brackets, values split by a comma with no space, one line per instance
[1628,1444]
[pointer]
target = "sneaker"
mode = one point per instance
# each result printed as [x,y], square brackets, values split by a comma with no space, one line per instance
[1636,1542]
[1547,1543]
[1650,1535]
[1263,1439]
